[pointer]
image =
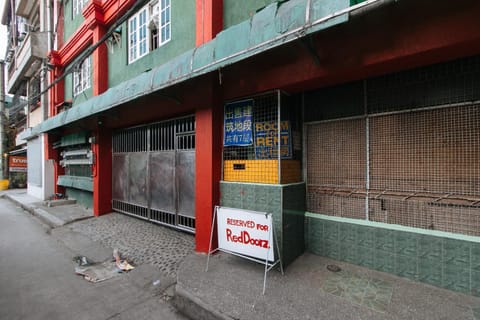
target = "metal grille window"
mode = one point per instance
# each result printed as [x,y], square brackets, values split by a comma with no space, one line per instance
[258,140]
[439,84]
[412,159]
[185,134]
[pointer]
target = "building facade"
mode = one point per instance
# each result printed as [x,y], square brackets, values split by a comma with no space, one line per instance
[30,36]
[355,124]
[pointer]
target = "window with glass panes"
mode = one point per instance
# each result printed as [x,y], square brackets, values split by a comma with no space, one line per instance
[78,6]
[149,29]
[81,77]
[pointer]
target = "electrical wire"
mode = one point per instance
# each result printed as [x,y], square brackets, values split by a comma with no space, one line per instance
[87,52]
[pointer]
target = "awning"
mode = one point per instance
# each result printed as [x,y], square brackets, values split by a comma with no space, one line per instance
[273,26]
[18,151]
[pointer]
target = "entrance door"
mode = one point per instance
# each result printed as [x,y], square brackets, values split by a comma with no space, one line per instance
[154,172]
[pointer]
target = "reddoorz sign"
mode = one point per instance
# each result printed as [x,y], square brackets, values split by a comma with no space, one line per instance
[245,232]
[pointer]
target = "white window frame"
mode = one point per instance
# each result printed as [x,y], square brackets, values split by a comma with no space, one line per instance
[138,44]
[77,6]
[82,77]
[149,29]
[165,28]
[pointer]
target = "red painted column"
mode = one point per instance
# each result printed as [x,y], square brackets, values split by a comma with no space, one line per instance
[57,94]
[209,20]
[208,159]
[102,146]
[102,171]
[100,62]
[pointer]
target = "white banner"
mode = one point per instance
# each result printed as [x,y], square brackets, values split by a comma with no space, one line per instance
[245,232]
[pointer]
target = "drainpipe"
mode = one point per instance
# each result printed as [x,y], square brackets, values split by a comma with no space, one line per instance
[2,118]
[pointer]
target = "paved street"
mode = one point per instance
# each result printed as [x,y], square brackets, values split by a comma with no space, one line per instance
[37,279]
[140,241]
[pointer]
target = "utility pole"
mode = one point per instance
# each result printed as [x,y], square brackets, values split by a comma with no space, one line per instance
[2,120]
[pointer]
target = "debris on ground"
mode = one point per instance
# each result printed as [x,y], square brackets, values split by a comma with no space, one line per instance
[82,261]
[123,265]
[96,272]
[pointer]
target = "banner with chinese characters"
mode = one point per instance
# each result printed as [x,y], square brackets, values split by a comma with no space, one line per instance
[238,123]
[266,140]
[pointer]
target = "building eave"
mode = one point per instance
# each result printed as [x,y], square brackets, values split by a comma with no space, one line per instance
[272,27]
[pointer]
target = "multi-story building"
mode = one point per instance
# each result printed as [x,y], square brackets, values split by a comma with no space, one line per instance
[29,39]
[355,124]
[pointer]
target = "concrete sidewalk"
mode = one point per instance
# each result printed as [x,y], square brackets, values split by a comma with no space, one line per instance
[53,213]
[232,287]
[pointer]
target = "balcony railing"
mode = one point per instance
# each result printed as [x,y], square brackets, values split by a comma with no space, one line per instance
[26,61]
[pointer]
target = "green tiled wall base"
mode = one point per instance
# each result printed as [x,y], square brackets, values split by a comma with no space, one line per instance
[293,221]
[438,258]
[285,202]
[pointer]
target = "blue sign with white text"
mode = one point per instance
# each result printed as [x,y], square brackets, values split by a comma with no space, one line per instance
[238,123]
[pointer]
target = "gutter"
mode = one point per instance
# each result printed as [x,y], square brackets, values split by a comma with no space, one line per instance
[298,32]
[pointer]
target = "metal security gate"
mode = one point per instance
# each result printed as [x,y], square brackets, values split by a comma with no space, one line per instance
[154,172]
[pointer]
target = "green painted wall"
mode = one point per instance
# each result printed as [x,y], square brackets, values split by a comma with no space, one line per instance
[438,258]
[183,39]
[70,22]
[77,182]
[288,218]
[235,11]
[82,97]
[84,198]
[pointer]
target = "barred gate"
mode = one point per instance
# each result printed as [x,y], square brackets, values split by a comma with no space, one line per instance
[154,172]
[400,149]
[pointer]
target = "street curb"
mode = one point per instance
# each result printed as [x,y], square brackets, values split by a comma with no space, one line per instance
[43,215]
[49,219]
[194,308]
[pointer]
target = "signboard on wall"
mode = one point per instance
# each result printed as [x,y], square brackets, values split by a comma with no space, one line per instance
[245,232]
[266,140]
[238,123]
[17,164]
